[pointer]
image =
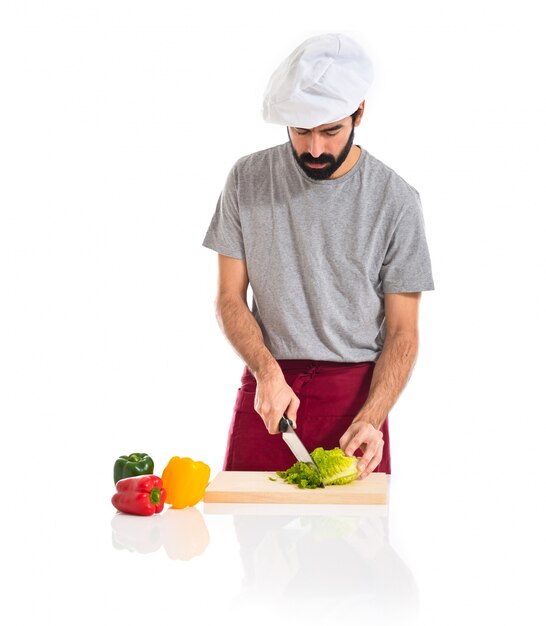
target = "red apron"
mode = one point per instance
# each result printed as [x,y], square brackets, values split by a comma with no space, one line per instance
[331,394]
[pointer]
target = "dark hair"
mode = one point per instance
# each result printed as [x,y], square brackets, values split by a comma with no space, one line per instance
[353,115]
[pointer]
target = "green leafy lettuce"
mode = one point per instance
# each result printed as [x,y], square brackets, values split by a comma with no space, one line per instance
[335,467]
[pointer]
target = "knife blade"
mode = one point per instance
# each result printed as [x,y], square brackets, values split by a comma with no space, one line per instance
[295,444]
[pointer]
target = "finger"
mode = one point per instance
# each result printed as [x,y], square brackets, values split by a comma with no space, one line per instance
[368,466]
[348,442]
[271,421]
[372,465]
[353,445]
[346,438]
[291,410]
[359,437]
[271,424]
[369,453]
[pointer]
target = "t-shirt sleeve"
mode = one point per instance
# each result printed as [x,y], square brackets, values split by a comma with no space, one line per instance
[225,234]
[406,267]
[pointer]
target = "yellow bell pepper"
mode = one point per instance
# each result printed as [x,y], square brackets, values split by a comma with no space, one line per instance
[185,481]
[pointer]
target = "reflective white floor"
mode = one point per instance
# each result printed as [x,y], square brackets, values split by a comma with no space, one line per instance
[443,551]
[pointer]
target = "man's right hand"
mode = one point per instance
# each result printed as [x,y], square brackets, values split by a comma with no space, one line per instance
[275,398]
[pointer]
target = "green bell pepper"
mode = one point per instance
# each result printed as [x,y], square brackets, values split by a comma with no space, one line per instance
[136,464]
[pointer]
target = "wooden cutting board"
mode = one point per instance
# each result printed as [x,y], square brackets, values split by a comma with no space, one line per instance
[257,488]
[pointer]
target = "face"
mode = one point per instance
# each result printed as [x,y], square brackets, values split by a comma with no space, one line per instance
[322,150]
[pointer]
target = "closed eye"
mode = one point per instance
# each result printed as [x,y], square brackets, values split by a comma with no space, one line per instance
[331,132]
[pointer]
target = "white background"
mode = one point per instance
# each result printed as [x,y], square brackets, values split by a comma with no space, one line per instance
[118,124]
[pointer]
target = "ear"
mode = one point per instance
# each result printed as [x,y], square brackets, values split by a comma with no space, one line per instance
[358,118]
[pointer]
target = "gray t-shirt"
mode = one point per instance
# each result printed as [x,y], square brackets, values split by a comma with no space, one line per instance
[320,254]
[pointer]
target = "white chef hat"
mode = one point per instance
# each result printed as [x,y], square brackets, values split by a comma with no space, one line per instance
[322,81]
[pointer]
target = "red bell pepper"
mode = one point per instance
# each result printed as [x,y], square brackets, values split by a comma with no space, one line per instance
[139,495]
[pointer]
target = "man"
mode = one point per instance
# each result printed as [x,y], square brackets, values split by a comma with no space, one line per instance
[332,243]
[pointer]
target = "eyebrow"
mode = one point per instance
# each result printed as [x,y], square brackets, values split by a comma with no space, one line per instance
[325,130]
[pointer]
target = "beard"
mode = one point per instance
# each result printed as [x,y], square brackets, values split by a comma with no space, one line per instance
[333,163]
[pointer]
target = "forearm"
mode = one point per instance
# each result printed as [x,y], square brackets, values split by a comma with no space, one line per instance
[391,374]
[245,335]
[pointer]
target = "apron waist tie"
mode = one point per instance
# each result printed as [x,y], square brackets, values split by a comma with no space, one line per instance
[303,378]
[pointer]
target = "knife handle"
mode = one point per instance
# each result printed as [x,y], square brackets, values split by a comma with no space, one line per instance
[285,423]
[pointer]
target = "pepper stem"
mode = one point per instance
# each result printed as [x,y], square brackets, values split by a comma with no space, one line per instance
[155,495]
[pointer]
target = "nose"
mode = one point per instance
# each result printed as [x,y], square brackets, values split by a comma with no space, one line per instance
[316,145]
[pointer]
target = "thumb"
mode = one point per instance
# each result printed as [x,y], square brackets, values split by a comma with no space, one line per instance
[291,410]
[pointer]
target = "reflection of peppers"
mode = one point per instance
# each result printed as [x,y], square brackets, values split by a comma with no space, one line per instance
[139,495]
[185,481]
[136,533]
[184,533]
[136,464]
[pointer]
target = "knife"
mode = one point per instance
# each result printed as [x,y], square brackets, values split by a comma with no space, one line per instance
[295,444]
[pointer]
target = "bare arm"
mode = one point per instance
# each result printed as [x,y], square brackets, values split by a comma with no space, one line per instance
[236,320]
[391,374]
[273,395]
[395,364]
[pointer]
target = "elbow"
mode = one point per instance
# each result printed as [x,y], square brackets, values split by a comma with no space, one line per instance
[219,308]
[226,307]
[406,341]
[217,305]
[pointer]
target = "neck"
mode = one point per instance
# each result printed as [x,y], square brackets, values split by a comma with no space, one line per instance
[349,163]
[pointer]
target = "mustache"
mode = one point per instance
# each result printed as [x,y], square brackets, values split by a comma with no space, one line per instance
[323,158]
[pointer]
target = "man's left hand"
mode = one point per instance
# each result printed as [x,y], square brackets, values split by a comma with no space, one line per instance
[361,434]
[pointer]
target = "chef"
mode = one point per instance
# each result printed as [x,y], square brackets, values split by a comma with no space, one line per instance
[332,243]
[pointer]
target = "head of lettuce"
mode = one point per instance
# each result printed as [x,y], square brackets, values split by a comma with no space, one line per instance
[335,468]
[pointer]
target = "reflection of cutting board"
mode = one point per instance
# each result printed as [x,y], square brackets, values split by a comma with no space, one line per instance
[256,487]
